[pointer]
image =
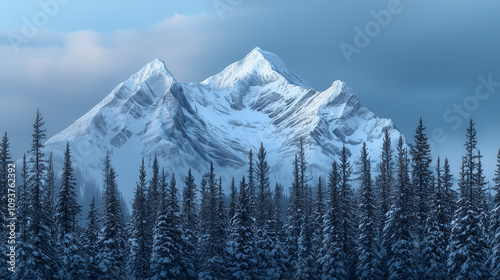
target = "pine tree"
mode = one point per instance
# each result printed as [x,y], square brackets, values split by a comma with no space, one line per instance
[451,196]
[167,259]
[39,258]
[22,191]
[138,261]
[385,180]
[251,184]
[154,200]
[263,188]
[368,266]
[347,213]
[468,242]
[242,243]
[277,210]
[483,203]
[436,233]
[212,240]
[421,175]
[495,226]
[90,239]
[306,265]
[189,223]
[234,200]
[399,233]
[294,216]
[5,158]
[333,260]
[112,239]
[67,210]
[317,222]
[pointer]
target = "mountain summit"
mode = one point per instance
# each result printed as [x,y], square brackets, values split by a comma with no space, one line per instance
[188,125]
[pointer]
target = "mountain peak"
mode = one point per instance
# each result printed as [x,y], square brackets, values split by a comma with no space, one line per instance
[258,65]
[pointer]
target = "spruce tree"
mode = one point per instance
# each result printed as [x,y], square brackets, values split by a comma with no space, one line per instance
[263,188]
[22,192]
[495,226]
[347,213]
[212,240]
[5,158]
[168,259]
[154,200]
[306,266]
[90,239]
[138,261]
[294,217]
[399,238]
[436,233]
[368,265]
[67,211]
[468,241]
[112,239]
[39,258]
[317,218]
[451,196]
[189,223]
[277,210]
[243,259]
[251,184]
[233,203]
[421,175]
[385,180]
[333,260]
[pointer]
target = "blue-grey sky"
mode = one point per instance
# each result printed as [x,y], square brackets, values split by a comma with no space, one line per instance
[405,59]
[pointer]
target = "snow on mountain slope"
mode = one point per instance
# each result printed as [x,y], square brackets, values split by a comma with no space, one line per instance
[188,125]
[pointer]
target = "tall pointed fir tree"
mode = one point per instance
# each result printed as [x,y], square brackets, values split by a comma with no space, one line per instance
[451,195]
[400,238]
[67,211]
[368,265]
[189,222]
[270,253]
[468,242]
[153,198]
[167,259]
[243,261]
[333,260]
[90,239]
[212,240]
[233,203]
[251,184]
[112,239]
[421,175]
[38,259]
[306,265]
[347,208]
[483,203]
[138,261]
[317,218]
[5,158]
[495,226]
[385,180]
[295,212]
[263,197]
[22,192]
[437,231]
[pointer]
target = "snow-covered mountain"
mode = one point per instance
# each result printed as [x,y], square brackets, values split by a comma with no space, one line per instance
[188,125]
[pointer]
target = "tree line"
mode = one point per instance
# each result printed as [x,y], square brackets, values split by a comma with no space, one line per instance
[399,220]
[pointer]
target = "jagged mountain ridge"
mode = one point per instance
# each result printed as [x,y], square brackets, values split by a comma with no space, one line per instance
[188,125]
